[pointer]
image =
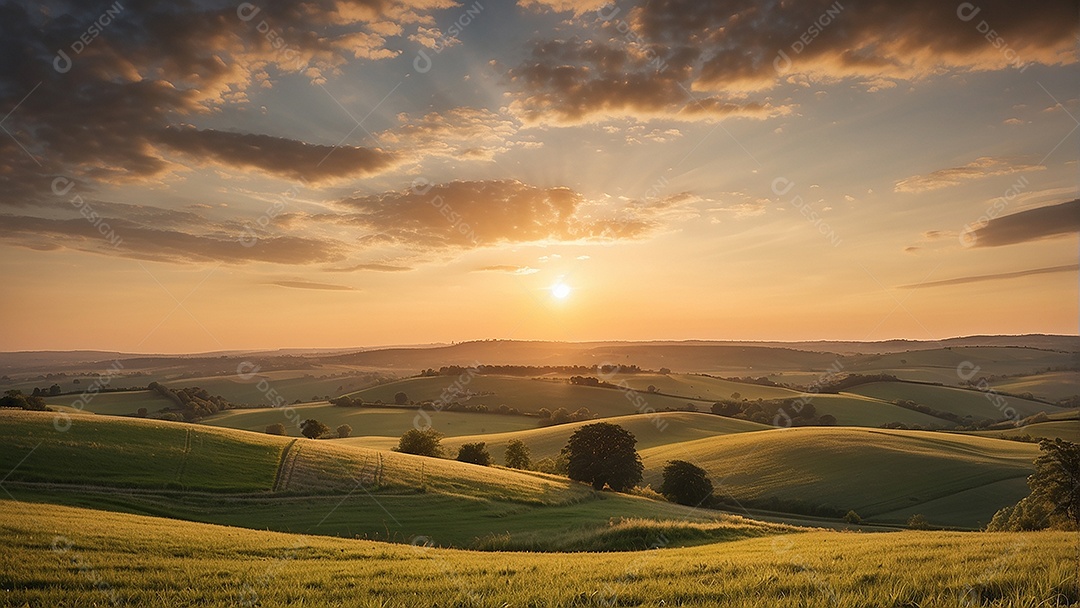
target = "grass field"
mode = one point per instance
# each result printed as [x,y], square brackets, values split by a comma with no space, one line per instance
[373,421]
[114,403]
[125,452]
[977,404]
[1067,430]
[290,385]
[322,487]
[873,472]
[525,394]
[1051,386]
[67,557]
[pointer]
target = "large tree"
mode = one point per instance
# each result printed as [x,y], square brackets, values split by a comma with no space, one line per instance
[474,453]
[517,455]
[603,454]
[686,484]
[1057,476]
[313,429]
[422,443]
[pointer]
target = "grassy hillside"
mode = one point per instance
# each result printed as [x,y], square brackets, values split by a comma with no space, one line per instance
[702,387]
[322,487]
[939,365]
[874,472]
[115,403]
[525,394]
[135,453]
[386,422]
[291,385]
[650,430]
[961,402]
[67,557]
[1051,386]
[1067,430]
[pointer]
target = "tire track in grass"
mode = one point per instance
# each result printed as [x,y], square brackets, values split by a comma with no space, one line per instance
[286,466]
[183,458]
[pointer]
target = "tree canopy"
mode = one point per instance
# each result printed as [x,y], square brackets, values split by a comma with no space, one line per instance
[603,454]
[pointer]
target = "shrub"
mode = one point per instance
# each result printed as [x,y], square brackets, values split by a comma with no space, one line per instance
[344,431]
[686,483]
[474,453]
[275,429]
[852,518]
[401,398]
[918,522]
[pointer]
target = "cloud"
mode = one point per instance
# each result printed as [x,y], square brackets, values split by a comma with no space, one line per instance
[576,81]
[278,156]
[371,267]
[995,277]
[459,133]
[473,214]
[1030,225]
[658,58]
[114,236]
[110,113]
[311,285]
[509,268]
[982,167]
[579,7]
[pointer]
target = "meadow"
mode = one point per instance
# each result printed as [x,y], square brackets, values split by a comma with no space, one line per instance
[49,559]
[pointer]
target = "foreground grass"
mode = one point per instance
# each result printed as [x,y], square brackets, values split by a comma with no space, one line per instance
[59,556]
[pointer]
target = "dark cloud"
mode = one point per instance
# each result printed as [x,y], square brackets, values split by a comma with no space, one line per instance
[995,277]
[1029,225]
[277,156]
[698,60]
[113,236]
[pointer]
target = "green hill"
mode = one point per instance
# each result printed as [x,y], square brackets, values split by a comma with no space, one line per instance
[325,487]
[873,472]
[62,556]
[962,402]
[378,421]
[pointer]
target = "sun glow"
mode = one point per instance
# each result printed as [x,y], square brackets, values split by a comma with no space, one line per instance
[560,291]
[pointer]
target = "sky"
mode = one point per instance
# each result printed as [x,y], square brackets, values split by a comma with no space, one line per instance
[196,176]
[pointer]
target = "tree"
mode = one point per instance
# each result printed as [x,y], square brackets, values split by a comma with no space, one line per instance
[827,420]
[141,413]
[313,429]
[651,388]
[852,518]
[422,443]
[401,398]
[344,431]
[474,453]
[686,484]
[517,455]
[1057,476]
[736,395]
[603,454]
[55,389]
[544,413]
[275,429]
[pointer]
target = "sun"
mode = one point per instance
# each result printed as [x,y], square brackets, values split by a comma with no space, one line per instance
[560,291]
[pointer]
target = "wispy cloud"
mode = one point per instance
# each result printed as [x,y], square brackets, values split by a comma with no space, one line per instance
[995,277]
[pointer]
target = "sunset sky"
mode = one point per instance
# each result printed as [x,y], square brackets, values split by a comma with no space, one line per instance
[199,176]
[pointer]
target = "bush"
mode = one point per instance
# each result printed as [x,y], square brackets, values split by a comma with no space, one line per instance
[401,398]
[474,453]
[421,443]
[852,518]
[686,484]
[344,431]
[275,429]
[517,455]
[918,522]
